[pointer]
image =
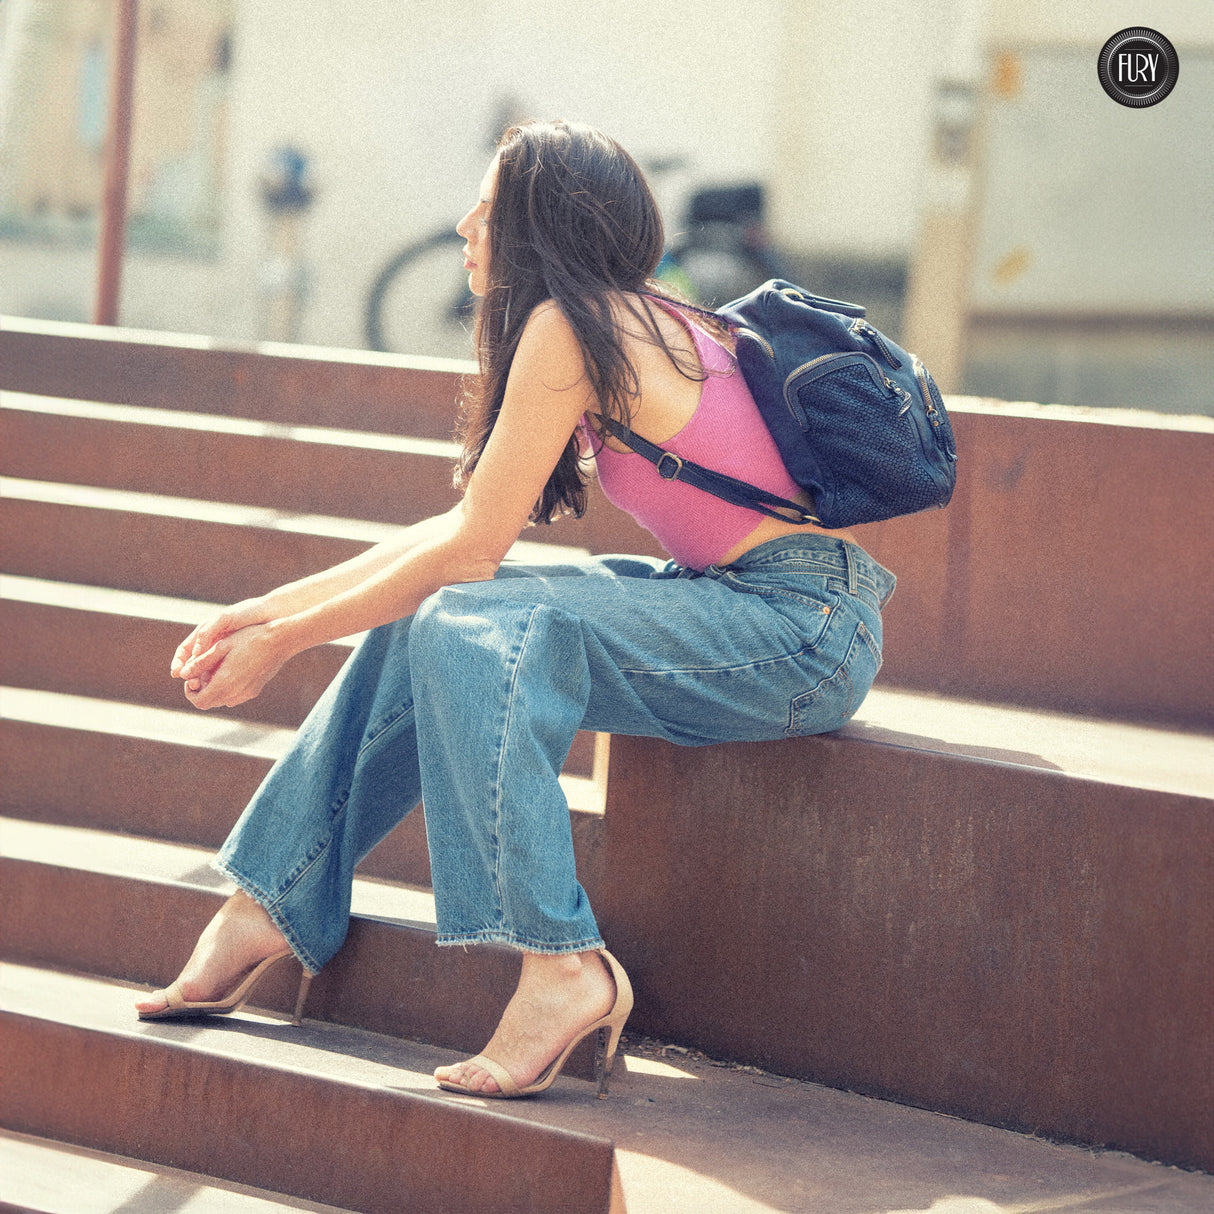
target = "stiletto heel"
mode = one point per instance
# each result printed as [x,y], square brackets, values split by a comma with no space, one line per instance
[607,1027]
[305,981]
[604,1055]
[180,1008]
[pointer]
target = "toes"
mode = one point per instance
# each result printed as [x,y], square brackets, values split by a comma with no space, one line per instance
[482,1081]
[157,1001]
[473,1078]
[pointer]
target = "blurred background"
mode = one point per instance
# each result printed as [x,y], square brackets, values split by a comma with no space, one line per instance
[296,169]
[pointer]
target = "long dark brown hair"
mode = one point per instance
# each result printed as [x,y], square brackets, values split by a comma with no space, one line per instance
[572,220]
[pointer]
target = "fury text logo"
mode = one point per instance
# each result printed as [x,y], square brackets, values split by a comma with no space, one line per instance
[1138,67]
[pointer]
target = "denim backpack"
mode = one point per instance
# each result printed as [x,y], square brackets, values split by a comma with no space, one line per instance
[858,421]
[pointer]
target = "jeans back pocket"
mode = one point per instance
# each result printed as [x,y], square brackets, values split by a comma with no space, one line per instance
[834,700]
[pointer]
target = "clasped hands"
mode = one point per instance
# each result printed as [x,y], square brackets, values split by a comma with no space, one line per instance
[229,659]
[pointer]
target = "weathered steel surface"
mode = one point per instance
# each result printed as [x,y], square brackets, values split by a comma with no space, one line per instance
[126,658]
[1074,569]
[293,385]
[373,1149]
[1006,944]
[159,554]
[389,977]
[279,473]
[137,786]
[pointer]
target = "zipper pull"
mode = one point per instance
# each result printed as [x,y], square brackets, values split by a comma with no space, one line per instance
[862,328]
[905,397]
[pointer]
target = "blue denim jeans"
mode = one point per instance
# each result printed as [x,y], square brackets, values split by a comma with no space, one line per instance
[473,703]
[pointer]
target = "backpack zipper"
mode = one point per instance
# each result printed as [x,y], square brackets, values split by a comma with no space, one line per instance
[933,414]
[861,328]
[759,338]
[875,371]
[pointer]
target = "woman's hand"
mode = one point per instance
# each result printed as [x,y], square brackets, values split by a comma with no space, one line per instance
[231,619]
[200,657]
[234,669]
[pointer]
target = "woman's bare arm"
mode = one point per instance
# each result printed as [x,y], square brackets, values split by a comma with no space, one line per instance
[545,397]
[306,592]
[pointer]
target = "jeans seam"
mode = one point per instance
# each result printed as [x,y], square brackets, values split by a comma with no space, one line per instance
[382,728]
[871,641]
[271,907]
[668,672]
[516,940]
[841,677]
[499,782]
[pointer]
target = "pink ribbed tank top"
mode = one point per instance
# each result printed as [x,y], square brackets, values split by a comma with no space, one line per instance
[725,433]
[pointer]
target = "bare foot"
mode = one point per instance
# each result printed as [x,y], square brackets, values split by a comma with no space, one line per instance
[239,937]
[557,997]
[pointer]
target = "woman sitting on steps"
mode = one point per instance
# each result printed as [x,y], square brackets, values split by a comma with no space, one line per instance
[477,673]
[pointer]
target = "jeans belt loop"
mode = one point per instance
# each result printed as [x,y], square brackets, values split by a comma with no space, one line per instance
[850,557]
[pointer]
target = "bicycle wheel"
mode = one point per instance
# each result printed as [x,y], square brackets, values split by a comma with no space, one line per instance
[419,302]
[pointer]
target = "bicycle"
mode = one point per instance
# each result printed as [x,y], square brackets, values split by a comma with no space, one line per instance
[419,302]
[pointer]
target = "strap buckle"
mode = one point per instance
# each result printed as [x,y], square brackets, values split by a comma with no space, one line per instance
[675,469]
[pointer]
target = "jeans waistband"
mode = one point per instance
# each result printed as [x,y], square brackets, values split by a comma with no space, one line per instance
[820,554]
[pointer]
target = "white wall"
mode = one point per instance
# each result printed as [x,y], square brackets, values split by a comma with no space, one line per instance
[1185,23]
[393,101]
[829,101]
[396,107]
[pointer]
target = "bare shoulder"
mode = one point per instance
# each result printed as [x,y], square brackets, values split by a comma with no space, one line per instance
[637,316]
[547,323]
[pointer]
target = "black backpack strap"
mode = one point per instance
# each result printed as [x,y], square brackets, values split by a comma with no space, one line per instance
[672,467]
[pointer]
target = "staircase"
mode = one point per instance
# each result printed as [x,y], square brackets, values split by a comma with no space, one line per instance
[996,911]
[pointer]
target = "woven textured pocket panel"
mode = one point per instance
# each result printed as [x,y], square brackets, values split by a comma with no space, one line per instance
[870,449]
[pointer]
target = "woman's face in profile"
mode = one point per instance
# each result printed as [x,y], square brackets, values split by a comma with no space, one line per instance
[474,228]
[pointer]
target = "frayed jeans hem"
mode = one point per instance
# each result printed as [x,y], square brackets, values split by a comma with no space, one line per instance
[511,940]
[267,904]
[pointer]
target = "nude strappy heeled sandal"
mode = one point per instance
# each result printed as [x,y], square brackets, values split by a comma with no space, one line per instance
[180,1008]
[608,1028]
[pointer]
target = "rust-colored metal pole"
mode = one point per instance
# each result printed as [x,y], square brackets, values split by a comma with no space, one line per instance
[117,160]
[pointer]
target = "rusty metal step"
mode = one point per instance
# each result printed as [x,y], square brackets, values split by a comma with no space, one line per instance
[995,913]
[290,385]
[320,1113]
[309,469]
[386,478]
[46,1177]
[96,641]
[690,1134]
[216,551]
[185,776]
[131,908]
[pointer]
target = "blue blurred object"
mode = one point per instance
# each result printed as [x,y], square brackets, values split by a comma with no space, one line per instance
[286,180]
